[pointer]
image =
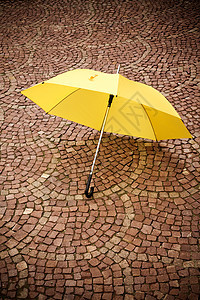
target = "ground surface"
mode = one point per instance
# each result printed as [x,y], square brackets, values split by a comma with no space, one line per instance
[138,238]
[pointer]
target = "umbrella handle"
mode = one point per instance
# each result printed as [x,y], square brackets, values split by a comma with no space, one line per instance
[89,194]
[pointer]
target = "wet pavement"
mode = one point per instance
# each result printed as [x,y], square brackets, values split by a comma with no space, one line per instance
[138,237]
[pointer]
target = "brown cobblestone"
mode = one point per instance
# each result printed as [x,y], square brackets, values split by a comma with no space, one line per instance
[138,238]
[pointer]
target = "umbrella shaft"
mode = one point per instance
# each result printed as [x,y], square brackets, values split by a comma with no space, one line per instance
[118,69]
[102,129]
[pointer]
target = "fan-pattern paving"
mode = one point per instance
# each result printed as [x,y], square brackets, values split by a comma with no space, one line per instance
[138,238]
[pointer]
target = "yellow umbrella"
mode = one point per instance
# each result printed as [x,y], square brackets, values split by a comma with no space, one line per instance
[110,103]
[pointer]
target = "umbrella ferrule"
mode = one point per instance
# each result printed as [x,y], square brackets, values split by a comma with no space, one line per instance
[110,100]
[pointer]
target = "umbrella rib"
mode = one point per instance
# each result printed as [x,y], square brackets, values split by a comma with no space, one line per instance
[149,120]
[63,100]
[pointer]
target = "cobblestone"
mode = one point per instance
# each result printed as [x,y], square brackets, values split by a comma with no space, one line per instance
[138,237]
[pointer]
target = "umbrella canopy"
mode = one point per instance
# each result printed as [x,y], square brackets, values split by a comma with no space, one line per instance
[111,103]
[82,96]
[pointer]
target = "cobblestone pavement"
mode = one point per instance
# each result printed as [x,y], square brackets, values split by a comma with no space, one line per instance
[138,238]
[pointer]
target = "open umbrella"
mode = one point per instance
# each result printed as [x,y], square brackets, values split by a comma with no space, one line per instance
[110,103]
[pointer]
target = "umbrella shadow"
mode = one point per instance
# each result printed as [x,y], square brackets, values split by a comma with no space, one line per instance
[122,163]
[128,160]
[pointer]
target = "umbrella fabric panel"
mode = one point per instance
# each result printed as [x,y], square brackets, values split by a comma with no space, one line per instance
[130,118]
[145,95]
[167,126]
[89,80]
[84,107]
[47,95]
[82,96]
